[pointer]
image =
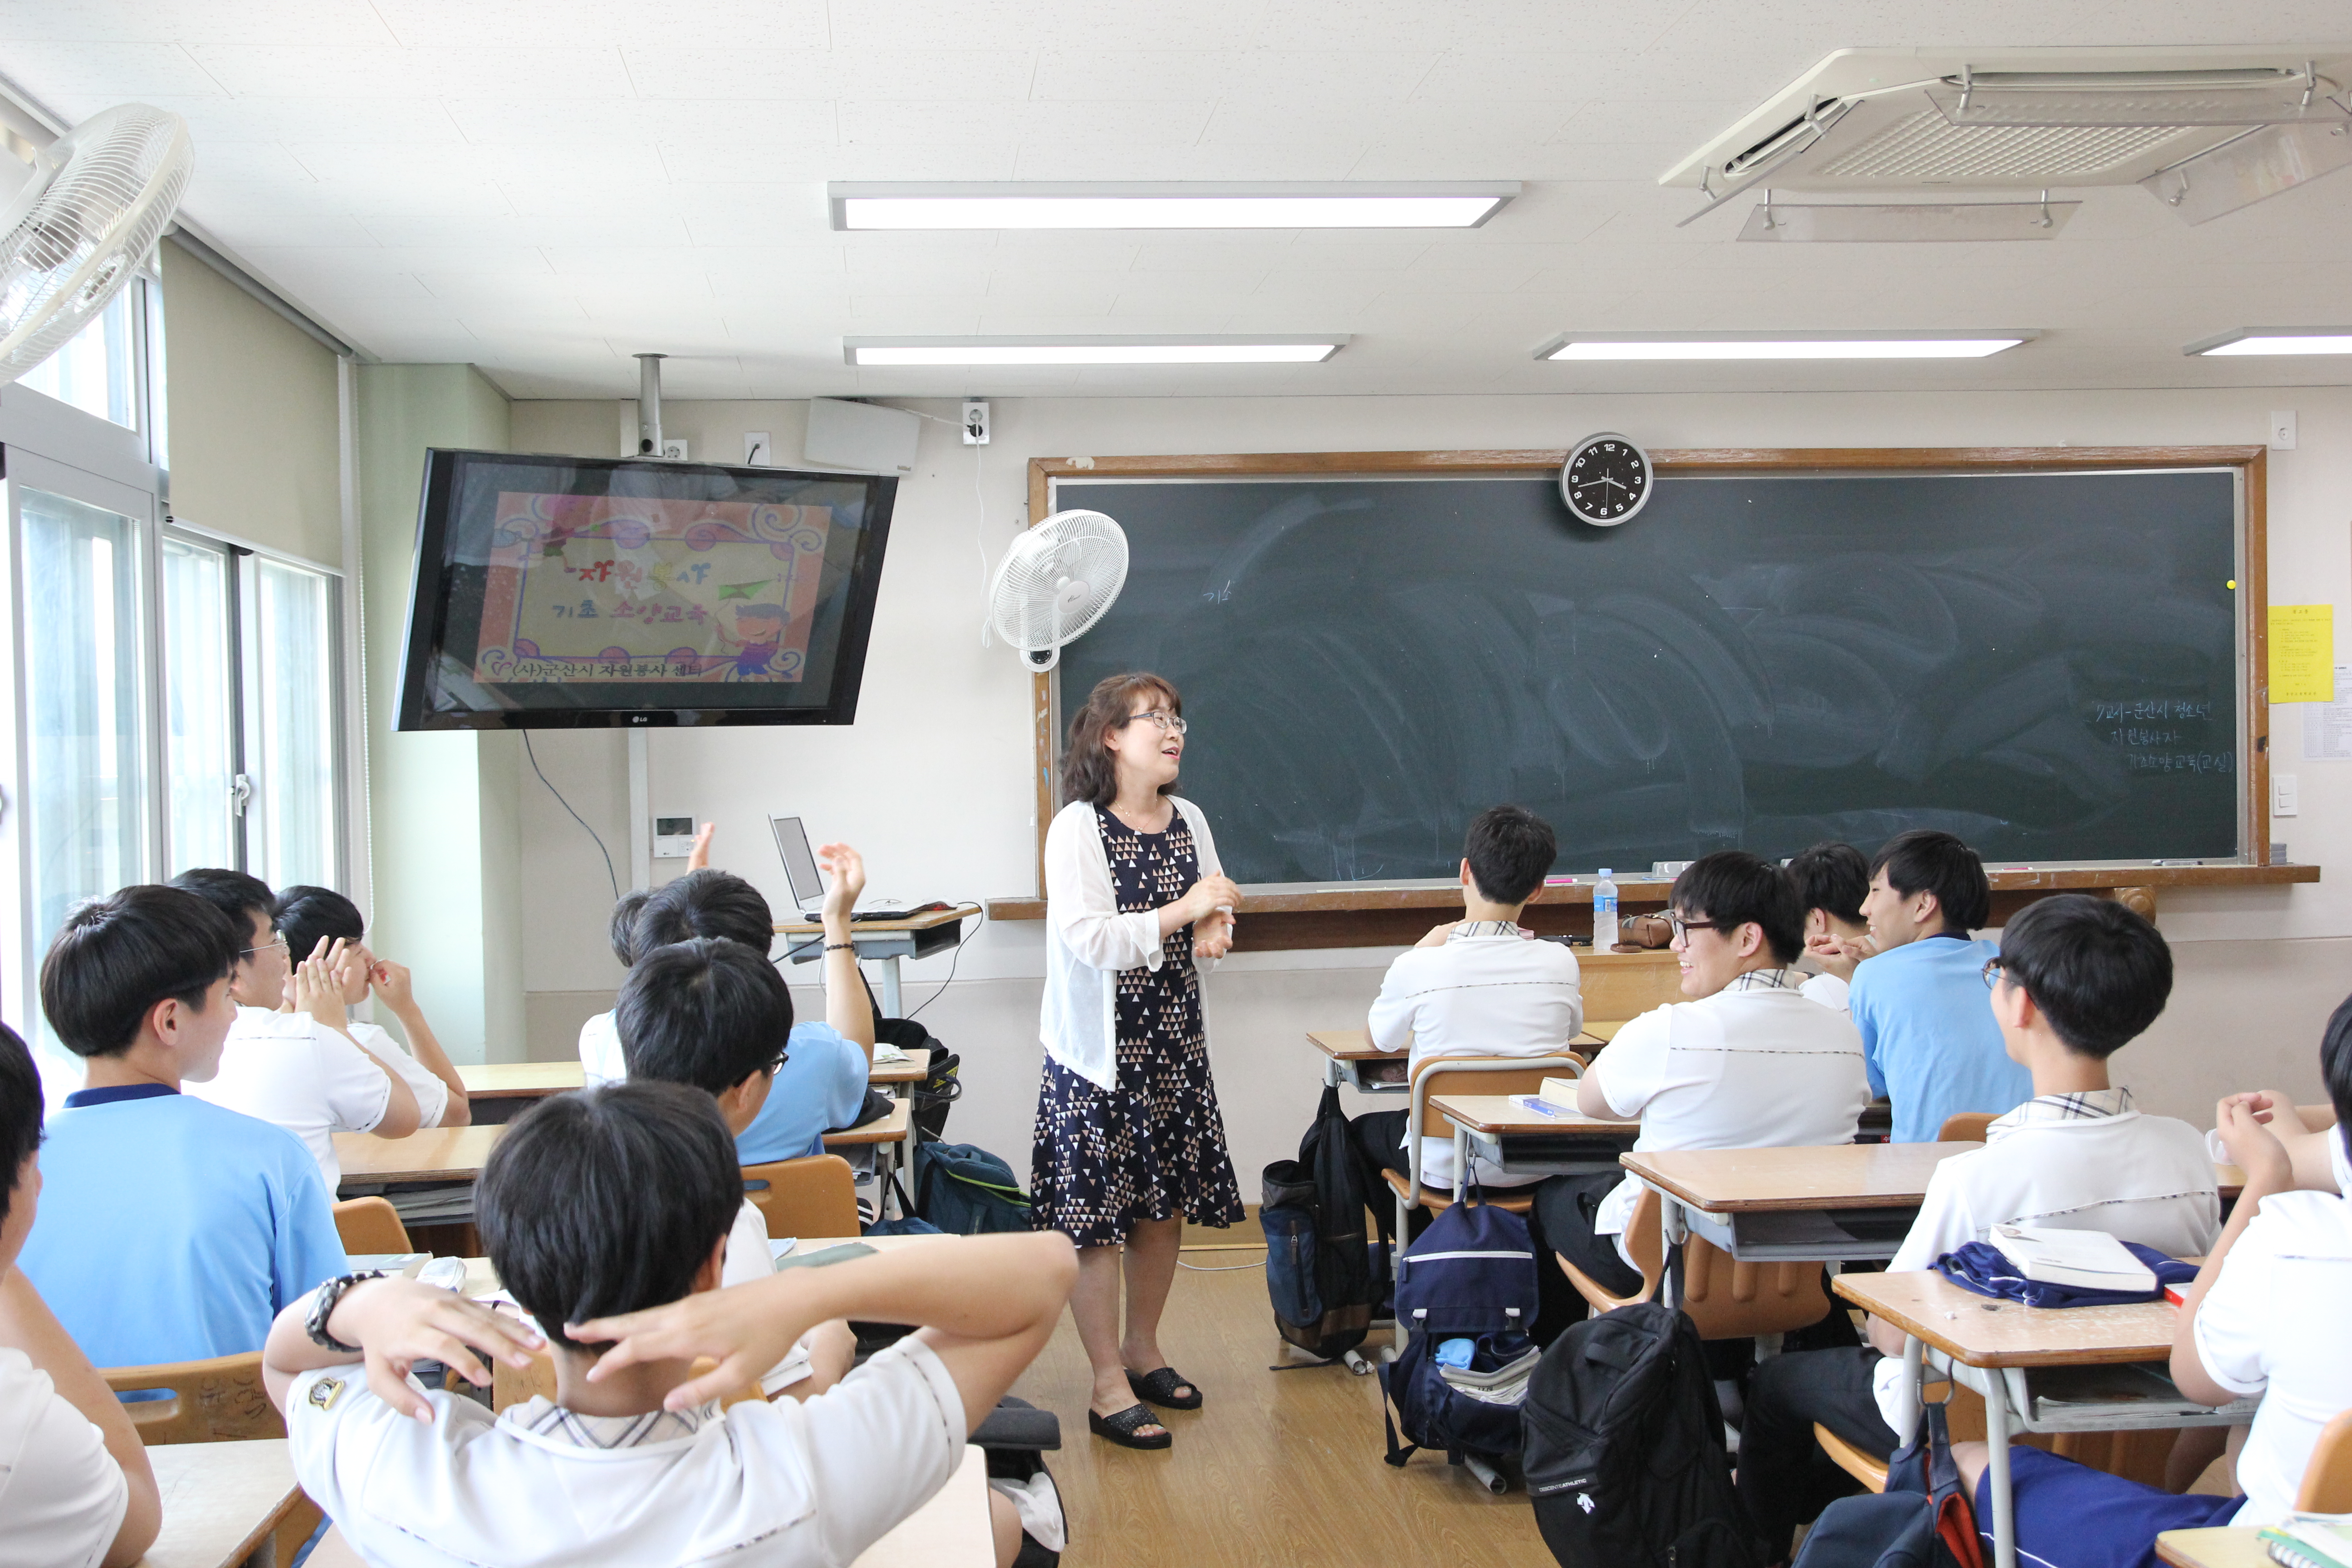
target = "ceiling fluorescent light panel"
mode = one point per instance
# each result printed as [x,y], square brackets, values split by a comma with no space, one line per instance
[1053,205]
[993,352]
[2274,340]
[1658,347]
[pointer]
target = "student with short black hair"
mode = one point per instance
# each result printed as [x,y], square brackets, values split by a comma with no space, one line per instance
[301,1069]
[821,1084]
[76,1487]
[1747,1063]
[1931,1047]
[1832,880]
[600,1042]
[711,1014]
[170,1229]
[1479,987]
[2076,980]
[627,1296]
[308,917]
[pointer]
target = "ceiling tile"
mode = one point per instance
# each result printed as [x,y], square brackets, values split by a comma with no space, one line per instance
[546,71]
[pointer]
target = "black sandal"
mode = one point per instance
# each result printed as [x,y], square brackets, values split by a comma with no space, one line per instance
[1121,1428]
[1160,1388]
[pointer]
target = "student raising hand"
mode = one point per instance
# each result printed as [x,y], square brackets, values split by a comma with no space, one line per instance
[847,868]
[698,857]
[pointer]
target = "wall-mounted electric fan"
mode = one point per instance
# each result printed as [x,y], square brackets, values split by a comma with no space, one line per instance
[1058,579]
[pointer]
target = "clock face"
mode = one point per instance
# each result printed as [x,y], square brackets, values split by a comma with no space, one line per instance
[1605,480]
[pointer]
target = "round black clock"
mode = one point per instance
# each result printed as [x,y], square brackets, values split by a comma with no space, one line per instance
[1606,480]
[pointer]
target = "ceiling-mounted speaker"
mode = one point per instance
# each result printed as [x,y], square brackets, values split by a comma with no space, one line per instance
[866,437]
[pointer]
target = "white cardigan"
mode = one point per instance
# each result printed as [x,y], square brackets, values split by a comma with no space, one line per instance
[1088,941]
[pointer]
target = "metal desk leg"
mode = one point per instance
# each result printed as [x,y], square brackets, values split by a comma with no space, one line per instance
[2005,1512]
[1460,1159]
[1673,1229]
[890,1002]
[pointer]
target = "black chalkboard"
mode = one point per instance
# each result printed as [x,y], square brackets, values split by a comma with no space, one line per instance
[2043,663]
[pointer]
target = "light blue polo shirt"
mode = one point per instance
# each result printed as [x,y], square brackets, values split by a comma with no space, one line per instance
[171,1229]
[822,1085]
[1928,1040]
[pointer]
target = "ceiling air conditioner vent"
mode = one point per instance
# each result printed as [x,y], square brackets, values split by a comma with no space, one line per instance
[1928,149]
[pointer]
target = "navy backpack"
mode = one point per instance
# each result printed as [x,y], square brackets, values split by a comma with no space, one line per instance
[1471,1277]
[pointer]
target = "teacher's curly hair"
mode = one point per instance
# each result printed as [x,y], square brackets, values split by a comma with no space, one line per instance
[1087,771]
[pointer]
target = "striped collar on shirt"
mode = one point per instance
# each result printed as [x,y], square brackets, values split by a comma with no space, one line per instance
[2045,1109]
[1493,928]
[549,1419]
[1768,980]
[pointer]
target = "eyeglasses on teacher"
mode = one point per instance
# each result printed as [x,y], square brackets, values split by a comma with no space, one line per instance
[1168,723]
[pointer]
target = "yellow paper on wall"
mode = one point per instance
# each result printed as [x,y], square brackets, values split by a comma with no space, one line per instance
[2302,653]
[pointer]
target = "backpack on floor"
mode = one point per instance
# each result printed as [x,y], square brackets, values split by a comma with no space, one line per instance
[1923,1519]
[1624,1457]
[967,1191]
[1317,1268]
[1469,1281]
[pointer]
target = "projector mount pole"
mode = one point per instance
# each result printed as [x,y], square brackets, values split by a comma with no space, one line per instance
[649,441]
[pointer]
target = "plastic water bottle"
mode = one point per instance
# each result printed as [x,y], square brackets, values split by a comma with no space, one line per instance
[1604,914]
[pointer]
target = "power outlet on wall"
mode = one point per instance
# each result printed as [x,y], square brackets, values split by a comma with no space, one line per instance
[2285,800]
[975,424]
[2282,436]
[759,451]
[674,450]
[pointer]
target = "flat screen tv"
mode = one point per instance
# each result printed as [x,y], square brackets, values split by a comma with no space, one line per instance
[558,593]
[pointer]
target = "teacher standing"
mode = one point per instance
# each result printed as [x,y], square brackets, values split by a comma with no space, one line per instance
[1130,1143]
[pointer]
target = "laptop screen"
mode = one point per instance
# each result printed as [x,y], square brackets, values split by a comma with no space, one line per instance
[800,866]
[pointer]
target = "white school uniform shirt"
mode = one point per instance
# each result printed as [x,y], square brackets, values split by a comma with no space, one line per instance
[2272,1324]
[748,1258]
[432,1094]
[62,1496]
[291,1070]
[787,1484]
[2067,1162]
[601,1061]
[1755,1066]
[1492,989]
[1828,990]
[1088,941]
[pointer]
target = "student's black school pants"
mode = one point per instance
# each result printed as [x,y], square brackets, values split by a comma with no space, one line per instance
[1568,1205]
[1785,1478]
[1379,1139]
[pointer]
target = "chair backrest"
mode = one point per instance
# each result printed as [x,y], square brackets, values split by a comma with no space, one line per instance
[371,1225]
[216,1401]
[1966,1127]
[1474,1074]
[1726,1298]
[2327,1478]
[813,1195]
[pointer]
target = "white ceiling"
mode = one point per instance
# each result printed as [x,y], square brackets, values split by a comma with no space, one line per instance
[543,188]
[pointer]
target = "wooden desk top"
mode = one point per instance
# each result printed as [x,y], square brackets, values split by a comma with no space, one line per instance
[433,1155]
[220,1500]
[2228,1547]
[1355,1045]
[1502,1114]
[1978,1331]
[924,921]
[917,1069]
[520,1081]
[1840,1175]
[951,1530]
[890,1129]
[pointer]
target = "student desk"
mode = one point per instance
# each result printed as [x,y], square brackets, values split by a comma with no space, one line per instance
[1348,1052]
[914,1069]
[221,1500]
[2073,1369]
[2229,1546]
[501,1091]
[951,1530]
[888,1136]
[433,1154]
[918,936]
[1528,1142]
[1838,1203]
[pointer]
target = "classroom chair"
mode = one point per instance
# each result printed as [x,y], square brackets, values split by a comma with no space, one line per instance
[1964,1127]
[813,1195]
[371,1225]
[2327,1478]
[219,1400]
[1726,1298]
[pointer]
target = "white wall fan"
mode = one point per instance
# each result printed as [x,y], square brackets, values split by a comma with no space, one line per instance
[98,199]
[1058,579]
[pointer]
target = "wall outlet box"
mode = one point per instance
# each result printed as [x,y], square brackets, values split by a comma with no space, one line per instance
[673,837]
[862,436]
[2282,436]
[975,424]
[759,451]
[2285,801]
[674,450]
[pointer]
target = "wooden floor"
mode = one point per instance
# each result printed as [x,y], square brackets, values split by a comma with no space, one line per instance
[1281,1469]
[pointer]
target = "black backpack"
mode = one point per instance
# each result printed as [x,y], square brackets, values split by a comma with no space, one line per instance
[1624,1454]
[1317,1268]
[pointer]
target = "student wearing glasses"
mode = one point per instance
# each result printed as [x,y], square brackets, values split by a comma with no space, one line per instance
[1130,1143]
[1747,1063]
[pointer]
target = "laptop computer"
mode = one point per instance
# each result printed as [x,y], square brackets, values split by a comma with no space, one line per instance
[807,882]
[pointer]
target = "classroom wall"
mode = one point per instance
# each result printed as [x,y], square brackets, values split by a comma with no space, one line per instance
[445,809]
[932,783]
[252,402]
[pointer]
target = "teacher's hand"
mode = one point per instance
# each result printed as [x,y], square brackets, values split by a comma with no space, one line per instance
[1210,893]
[1212,937]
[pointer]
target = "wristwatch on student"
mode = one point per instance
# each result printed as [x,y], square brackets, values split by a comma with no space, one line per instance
[322,1307]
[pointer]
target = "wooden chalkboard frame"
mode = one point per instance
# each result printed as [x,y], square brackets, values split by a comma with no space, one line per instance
[1373,915]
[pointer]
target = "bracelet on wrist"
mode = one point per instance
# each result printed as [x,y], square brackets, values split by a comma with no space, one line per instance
[324,1303]
[840,946]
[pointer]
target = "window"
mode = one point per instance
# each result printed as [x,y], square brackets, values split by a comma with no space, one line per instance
[97,370]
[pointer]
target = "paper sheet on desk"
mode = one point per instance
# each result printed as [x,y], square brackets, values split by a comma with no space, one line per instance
[2327,726]
[889,1056]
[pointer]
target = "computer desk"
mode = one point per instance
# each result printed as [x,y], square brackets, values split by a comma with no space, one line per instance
[917,936]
